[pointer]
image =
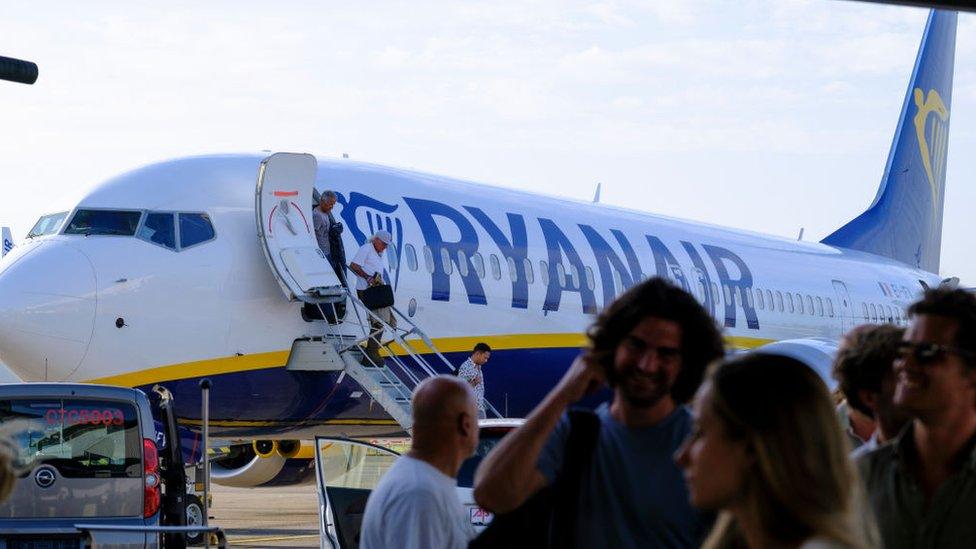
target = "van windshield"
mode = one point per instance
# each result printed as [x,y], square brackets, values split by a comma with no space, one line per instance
[79,438]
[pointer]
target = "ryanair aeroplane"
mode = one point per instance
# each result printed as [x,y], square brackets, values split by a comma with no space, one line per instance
[173,272]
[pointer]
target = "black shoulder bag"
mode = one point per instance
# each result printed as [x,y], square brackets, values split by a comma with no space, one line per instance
[548,518]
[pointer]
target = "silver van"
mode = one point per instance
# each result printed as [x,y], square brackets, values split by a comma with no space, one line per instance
[84,454]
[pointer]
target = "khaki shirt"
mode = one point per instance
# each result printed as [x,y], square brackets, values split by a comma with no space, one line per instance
[899,502]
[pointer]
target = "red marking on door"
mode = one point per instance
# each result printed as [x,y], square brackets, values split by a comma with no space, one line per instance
[286,193]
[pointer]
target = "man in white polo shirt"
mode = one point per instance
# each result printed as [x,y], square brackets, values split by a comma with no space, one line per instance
[367,265]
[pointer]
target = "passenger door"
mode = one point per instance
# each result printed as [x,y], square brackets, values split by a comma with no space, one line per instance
[283,208]
[346,472]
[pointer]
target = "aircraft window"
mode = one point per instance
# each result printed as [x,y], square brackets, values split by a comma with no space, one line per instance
[529,273]
[749,299]
[728,294]
[779,301]
[479,264]
[590,281]
[391,257]
[544,272]
[874,312]
[411,256]
[715,297]
[819,306]
[496,268]
[891,314]
[428,259]
[789,301]
[769,299]
[809,305]
[830,308]
[195,228]
[104,222]
[561,274]
[701,291]
[446,261]
[577,279]
[159,228]
[47,224]
[462,260]
[512,271]
[759,299]
[864,310]
[799,303]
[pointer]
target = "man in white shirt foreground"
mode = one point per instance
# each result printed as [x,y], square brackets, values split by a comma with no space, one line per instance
[415,505]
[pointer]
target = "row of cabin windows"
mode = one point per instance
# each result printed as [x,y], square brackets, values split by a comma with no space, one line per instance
[761,299]
[876,312]
[494,269]
[788,302]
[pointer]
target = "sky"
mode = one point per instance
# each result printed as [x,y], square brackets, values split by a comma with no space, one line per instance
[768,115]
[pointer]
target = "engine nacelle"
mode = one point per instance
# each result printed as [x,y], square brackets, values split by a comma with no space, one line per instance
[817,353]
[244,468]
[266,463]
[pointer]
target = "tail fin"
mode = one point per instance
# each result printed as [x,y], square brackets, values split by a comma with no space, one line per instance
[905,220]
[8,241]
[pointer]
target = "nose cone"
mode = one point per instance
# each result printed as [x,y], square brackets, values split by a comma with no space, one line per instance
[47,310]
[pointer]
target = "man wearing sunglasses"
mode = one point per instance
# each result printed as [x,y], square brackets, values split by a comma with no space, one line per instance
[922,486]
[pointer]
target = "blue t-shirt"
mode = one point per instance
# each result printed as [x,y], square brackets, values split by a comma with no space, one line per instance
[633,495]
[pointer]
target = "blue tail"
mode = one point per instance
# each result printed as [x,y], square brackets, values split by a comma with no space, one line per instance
[905,220]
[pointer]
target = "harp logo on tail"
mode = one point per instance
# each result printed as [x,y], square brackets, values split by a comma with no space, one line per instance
[933,137]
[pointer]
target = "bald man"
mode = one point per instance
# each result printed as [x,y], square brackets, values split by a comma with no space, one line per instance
[415,505]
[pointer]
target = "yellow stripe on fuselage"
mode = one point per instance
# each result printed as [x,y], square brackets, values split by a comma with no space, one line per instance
[278,359]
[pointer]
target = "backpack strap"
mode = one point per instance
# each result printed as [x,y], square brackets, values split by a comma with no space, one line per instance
[584,431]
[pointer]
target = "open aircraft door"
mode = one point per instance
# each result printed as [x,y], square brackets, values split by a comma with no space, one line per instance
[346,472]
[283,207]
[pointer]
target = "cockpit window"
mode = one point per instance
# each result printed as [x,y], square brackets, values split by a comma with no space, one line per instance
[194,229]
[47,224]
[104,222]
[159,228]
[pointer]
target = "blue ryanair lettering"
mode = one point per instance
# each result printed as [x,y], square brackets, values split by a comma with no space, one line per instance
[740,285]
[440,281]
[665,264]
[607,260]
[702,276]
[514,248]
[558,244]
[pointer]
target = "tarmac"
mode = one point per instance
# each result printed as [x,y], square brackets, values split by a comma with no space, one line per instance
[267,517]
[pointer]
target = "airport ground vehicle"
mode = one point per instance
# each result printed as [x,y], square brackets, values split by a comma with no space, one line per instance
[85,454]
[347,470]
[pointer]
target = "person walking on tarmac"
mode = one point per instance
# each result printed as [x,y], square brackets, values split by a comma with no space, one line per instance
[367,265]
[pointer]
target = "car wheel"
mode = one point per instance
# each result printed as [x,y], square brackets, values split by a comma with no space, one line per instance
[194,517]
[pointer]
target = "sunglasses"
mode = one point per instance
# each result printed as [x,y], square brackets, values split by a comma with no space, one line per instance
[926,353]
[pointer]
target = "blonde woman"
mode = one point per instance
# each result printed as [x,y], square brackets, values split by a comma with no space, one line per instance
[768,453]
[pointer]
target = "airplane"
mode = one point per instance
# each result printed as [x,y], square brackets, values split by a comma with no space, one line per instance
[186,269]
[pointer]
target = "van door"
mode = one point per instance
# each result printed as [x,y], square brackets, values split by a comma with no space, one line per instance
[283,210]
[346,472]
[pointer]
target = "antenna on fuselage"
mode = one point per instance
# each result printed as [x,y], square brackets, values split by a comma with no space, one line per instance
[16,70]
[801,235]
[596,195]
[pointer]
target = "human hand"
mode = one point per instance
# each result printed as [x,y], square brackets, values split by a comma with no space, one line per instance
[583,378]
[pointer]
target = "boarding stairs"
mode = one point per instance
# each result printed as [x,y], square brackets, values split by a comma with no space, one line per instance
[405,355]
